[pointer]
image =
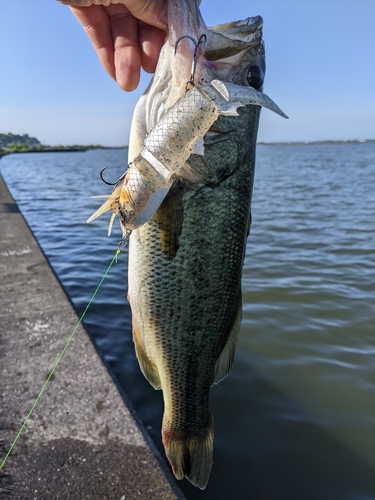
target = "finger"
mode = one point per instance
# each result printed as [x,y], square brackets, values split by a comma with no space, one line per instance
[151,41]
[127,52]
[153,12]
[95,22]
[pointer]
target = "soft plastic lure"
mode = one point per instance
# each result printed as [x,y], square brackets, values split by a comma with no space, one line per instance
[167,147]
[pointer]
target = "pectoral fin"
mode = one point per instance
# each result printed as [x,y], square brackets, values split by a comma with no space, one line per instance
[170,217]
[198,171]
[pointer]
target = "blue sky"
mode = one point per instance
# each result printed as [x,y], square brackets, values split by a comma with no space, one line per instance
[320,71]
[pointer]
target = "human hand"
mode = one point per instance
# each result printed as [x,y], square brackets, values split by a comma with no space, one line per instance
[126,34]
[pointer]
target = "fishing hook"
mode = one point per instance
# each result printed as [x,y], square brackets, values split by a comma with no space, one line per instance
[202,41]
[111,183]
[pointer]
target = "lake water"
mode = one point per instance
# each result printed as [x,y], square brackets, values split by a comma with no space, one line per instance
[296,417]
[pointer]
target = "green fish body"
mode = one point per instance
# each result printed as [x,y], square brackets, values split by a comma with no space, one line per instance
[185,264]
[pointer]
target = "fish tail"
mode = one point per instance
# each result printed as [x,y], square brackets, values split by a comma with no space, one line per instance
[190,453]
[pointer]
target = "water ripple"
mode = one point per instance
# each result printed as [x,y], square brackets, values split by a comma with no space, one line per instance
[295,420]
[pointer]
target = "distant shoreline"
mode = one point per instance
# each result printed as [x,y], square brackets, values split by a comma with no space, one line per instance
[54,149]
[77,148]
[316,143]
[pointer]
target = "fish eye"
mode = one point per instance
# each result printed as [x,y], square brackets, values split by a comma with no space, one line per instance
[255,77]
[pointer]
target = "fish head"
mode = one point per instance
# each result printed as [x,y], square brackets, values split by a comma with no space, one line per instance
[234,53]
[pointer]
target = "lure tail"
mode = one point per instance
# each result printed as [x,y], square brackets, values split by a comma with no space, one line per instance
[234,96]
[111,203]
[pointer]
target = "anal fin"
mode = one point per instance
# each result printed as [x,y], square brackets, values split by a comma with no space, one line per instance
[225,360]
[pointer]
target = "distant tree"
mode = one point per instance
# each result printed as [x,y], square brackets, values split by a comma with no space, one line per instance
[7,140]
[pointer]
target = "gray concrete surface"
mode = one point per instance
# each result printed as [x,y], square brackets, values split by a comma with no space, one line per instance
[82,441]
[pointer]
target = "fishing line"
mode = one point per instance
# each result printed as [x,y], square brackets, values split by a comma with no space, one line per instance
[60,357]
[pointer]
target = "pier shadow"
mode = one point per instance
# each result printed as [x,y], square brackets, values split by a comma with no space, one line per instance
[9,208]
[277,455]
[267,447]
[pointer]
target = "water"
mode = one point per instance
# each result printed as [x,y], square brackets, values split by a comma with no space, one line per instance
[296,417]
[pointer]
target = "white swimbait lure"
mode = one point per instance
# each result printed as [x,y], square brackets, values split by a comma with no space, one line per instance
[167,147]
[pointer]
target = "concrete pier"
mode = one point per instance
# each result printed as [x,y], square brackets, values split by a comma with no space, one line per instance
[83,440]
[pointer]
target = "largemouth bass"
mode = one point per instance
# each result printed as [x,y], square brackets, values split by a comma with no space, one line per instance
[189,217]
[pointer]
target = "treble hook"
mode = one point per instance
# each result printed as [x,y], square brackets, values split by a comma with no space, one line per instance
[111,183]
[197,44]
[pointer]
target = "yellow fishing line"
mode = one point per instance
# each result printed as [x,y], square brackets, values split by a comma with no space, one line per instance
[59,359]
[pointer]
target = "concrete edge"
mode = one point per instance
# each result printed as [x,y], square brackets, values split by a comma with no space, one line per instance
[163,466]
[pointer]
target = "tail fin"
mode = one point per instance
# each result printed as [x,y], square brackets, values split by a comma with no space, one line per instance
[190,456]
